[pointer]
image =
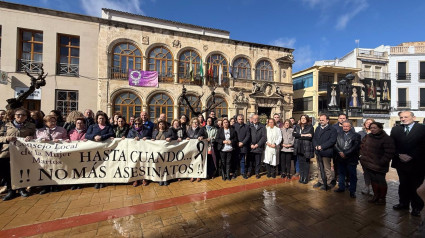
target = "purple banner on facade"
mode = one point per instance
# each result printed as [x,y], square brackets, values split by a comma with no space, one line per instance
[139,78]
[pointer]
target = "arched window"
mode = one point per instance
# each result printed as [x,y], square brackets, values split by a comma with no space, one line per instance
[129,104]
[126,56]
[161,60]
[185,75]
[184,108]
[264,71]
[221,109]
[161,103]
[214,63]
[241,68]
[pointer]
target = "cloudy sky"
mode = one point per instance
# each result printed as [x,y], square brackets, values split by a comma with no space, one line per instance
[316,29]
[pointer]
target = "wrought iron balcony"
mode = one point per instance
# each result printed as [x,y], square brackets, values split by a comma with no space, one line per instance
[29,65]
[213,81]
[404,76]
[166,77]
[118,73]
[187,79]
[68,69]
[403,104]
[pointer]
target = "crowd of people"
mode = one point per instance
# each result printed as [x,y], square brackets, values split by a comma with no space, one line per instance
[239,147]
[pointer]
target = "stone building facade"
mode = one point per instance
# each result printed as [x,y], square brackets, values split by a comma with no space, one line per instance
[260,80]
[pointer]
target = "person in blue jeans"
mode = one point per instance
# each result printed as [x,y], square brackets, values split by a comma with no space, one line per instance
[347,147]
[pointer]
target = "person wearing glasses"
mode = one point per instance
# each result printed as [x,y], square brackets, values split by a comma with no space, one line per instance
[9,132]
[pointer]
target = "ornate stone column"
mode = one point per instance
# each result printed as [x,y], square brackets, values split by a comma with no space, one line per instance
[175,69]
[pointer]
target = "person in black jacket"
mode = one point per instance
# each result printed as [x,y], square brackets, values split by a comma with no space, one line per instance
[323,142]
[303,146]
[122,128]
[100,132]
[88,115]
[176,132]
[244,137]
[258,141]
[347,147]
[194,131]
[226,142]
[409,161]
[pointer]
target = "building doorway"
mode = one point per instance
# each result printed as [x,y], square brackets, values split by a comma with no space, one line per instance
[264,114]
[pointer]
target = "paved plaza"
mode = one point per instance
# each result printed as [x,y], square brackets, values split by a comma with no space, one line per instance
[211,208]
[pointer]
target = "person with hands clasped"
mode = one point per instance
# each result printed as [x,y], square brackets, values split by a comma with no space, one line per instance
[226,142]
[271,153]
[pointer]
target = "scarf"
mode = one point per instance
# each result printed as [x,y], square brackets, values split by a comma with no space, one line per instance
[18,125]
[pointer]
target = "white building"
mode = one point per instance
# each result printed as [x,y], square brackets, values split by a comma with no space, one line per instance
[407,68]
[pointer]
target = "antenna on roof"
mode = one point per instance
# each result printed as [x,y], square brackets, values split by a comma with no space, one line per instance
[357,42]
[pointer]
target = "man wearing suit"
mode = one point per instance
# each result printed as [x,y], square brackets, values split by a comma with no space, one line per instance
[244,136]
[323,142]
[409,161]
[258,140]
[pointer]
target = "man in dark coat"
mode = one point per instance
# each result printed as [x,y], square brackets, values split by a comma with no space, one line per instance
[258,140]
[244,136]
[338,127]
[409,162]
[347,147]
[323,142]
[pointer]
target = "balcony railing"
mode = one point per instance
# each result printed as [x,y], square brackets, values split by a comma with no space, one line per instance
[403,104]
[376,75]
[118,73]
[187,79]
[421,76]
[29,65]
[371,53]
[68,69]
[404,76]
[213,81]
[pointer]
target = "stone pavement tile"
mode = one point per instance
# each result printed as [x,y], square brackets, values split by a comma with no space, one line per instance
[376,230]
[154,233]
[58,213]
[113,205]
[151,222]
[79,203]
[84,228]
[87,234]
[4,220]
[91,209]
[175,230]
[60,233]
[72,212]
[331,228]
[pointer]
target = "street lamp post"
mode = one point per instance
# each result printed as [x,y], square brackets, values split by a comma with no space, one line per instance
[346,84]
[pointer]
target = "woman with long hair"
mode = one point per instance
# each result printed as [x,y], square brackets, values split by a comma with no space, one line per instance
[122,128]
[70,120]
[212,134]
[303,146]
[59,118]
[194,131]
[37,119]
[226,142]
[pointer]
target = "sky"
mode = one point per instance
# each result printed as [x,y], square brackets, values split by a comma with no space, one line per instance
[316,29]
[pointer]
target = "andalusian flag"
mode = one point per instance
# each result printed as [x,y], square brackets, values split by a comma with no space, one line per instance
[201,70]
[190,70]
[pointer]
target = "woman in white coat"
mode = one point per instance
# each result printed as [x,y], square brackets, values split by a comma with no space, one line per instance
[271,153]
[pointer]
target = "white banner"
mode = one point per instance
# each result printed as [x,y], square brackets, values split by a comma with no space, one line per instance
[112,161]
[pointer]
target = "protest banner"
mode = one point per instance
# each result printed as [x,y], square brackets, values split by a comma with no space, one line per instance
[112,161]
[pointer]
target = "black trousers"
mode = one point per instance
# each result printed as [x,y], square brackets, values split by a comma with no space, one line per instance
[210,166]
[254,160]
[285,162]
[5,171]
[376,177]
[304,168]
[409,182]
[226,161]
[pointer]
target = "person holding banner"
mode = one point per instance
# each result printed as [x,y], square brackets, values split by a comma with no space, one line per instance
[183,122]
[100,132]
[121,129]
[19,127]
[50,133]
[176,132]
[196,132]
[78,134]
[226,143]
[160,133]
[138,132]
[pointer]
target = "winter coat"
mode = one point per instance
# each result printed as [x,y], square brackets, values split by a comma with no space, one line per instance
[349,145]
[175,134]
[9,129]
[198,132]
[325,138]
[376,152]
[156,136]
[59,133]
[221,137]
[244,135]
[94,130]
[362,133]
[75,136]
[287,139]
[304,145]
[123,132]
[258,136]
